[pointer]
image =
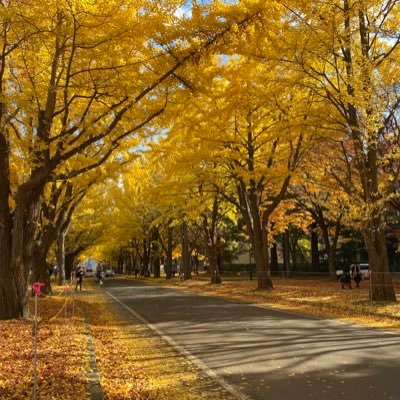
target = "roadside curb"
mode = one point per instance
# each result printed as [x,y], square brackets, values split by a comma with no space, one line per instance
[95,389]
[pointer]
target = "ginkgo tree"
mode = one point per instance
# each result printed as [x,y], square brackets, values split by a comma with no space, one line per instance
[319,194]
[188,181]
[346,52]
[252,135]
[56,212]
[63,102]
[76,79]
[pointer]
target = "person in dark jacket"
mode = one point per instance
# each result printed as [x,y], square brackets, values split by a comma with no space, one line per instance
[356,273]
[345,279]
[79,278]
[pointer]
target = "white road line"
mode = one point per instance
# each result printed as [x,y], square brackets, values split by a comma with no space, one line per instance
[234,390]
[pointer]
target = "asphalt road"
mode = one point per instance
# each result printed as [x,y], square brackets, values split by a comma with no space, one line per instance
[268,354]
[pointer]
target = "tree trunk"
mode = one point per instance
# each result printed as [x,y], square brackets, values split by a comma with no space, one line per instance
[8,293]
[168,255]
[330,243]
[330,252]
[8,297]
[212,251]
[69,264]
[286,254]
[274,257]
[9,304]
[215,274]
[258,235]
[156,267]
[315,264]
[26,215]
[61,257]
[217,279]
[259,245]
[129,263]
[382,288]
[121,262]
[185,252]
[145,259]
[196,264]
[40,272]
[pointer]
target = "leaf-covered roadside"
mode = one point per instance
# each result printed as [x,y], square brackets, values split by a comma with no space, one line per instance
[132,361]
[62,358]
[318,297]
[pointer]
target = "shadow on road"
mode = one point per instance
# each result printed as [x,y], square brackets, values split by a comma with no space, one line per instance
[272,354]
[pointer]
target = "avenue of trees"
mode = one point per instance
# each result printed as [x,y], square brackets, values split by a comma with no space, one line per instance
[134,131]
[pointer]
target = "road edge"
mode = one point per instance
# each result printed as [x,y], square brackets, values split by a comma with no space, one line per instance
[95,388]
[233,389]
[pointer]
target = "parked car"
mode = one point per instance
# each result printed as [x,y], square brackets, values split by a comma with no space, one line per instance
[364,269]
[109,272]
[89,271]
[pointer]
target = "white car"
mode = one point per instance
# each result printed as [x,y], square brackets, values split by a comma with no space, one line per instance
[364,270]
[109,272]
[89,271]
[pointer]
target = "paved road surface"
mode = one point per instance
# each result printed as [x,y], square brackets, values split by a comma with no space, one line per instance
[268,354]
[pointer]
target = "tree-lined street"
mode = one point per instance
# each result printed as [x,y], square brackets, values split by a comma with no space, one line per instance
[212,127]
[269,354]
[242,143]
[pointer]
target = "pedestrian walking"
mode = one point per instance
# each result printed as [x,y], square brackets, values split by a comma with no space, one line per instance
[79,278]
[180,272]
[102,276]
[345,279]
[356,273]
